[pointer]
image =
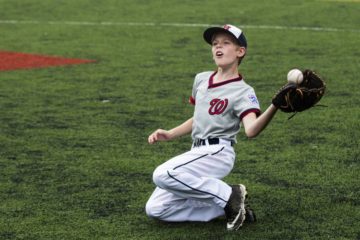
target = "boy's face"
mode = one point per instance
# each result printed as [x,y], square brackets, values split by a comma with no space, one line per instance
[225,51]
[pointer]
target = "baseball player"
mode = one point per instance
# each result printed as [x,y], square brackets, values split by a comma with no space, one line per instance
[189,186]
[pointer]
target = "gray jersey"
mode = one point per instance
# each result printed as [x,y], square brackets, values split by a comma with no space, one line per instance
[220,107]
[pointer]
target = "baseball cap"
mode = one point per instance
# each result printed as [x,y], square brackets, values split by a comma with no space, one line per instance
[234,31]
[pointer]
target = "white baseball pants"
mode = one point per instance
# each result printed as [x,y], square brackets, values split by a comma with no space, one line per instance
[189,186]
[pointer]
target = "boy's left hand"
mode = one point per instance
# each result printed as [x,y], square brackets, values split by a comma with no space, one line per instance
[159,135]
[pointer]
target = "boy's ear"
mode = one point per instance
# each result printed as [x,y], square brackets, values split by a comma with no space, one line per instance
[241,51]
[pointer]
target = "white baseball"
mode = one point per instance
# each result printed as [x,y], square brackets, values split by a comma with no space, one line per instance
[295,76]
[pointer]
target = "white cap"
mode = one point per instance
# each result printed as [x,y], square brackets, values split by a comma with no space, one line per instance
[236,32]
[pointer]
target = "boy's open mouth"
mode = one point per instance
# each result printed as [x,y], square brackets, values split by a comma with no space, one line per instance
[219,54]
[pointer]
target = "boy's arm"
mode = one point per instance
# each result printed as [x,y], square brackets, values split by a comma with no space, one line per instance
[253,126]
[166,135]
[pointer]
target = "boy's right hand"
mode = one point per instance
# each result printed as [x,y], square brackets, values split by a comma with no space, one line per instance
[159,135]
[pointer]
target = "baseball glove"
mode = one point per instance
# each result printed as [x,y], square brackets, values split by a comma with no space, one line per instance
[299,97]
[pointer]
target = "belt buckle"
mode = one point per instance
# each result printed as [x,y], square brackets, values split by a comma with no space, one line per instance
[213,141]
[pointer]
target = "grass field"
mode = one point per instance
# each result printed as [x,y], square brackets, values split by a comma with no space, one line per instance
[74,158]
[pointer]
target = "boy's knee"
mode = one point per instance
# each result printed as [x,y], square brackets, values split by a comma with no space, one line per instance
[160,177]
[152,210]
[149,210]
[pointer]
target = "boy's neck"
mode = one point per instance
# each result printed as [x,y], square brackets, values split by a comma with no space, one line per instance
[226,74]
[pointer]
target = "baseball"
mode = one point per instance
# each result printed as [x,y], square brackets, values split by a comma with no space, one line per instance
[295,76]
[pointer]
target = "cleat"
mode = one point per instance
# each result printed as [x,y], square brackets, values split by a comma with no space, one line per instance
[250,216]
[235,208]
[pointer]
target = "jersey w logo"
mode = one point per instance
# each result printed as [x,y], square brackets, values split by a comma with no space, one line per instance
[217,106]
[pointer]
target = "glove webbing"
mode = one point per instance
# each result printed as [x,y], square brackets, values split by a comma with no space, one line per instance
[300,91]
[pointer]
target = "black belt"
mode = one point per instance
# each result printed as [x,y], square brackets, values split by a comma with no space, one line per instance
[211,141]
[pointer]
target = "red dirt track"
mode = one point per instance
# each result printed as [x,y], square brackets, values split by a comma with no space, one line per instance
[15,61]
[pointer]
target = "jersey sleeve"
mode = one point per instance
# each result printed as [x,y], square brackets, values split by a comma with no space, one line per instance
[192,98]
[247,103]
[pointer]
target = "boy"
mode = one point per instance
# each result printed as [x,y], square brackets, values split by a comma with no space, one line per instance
[189,186]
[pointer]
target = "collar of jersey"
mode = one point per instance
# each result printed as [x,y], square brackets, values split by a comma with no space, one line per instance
[214,85]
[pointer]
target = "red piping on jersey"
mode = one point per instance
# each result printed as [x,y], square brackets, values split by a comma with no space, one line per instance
[251,110]
[213,85]
[192,100]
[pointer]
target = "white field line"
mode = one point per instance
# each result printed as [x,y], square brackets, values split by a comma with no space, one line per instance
[153,24]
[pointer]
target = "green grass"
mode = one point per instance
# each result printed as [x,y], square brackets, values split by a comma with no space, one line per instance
[73,166]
